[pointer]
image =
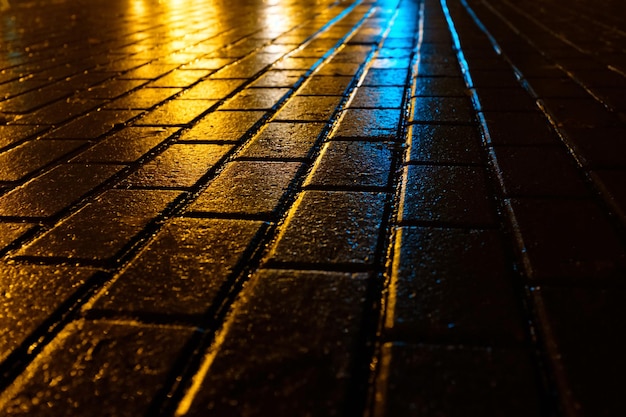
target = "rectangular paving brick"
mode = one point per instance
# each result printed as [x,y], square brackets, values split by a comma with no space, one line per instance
[444,144]
[60,111]
[538,171]
[11,134]
[111,89]
[452,286]
[306,361]
[352,164]
[379,77]
[127,145]
[223,125]
[176,112]
[284,140]
[93,124]
[453,195]
[432,380]
[212,89]
[256,99]
[144,98]
[59,188]
[442,109]
[251,188]
[120,215]
[518,128]
[180,78]
[369,123]
[378,98]
[33,155]
[122,365]
[23,286]
[169,279]
[439,87]
[319,85]
[180,165]
[566,240]
[331,227]
[309,108]
[584,349]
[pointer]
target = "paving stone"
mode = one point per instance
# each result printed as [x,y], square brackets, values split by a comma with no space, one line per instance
[278,78]
[127,145]
[53,191]
[493,82]
[291,63]
[60,111]
[444,144]
[329,227]
[284,140]
[369,123]
[584,349]
[579,113]
[212,89]
[538,171]
[442,109]
[120,214]
[121,366]
[440,87]
[30,295]
[336,69]
[223,125]
[309,108]
[180,78]
[256,99]
[438,69]
[111,89]
[306,361]
[319,85]
[378,98]
[180,165]
[505,100]
[33,155]
[177,112]
[553,88]
[519,129]
[93,125]
[451,195]
[169,279]
[566,240]
[145,98]
[33,99]
[352,164]
[378,77]
[425,380]
[9,232]
[252,188]
[149,71]
[248,67]
[452,286]
[611,185]
[12,134]
[598,147]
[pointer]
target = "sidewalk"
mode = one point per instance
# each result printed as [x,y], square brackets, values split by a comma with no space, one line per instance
[312,208]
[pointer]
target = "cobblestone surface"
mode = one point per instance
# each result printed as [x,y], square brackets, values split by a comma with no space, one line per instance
[312,208]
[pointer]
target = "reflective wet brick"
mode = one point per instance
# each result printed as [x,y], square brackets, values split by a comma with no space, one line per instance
[123,365]
[330,227]
[223,125]
[442,109]
[9,232]
[120,215]
[127,145]
[176,112]
[14,133]
[212,89]
[23,286]
[284,140]
[440,87]
[247,188]
[182,270]
[444,144]
[352,164]
[326,86]
[93,124]
[386,77]
[256,99]
[30,156]
[309,108]
[49,193]
[306,361]
[378,98]
[452,285]
[180,165]
[180,78]
[144,98]
[452,195]
[369,123]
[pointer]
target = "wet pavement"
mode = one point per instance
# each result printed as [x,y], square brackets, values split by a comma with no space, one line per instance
[312,208]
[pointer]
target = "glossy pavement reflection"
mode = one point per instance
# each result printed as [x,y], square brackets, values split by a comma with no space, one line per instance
[352,208]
